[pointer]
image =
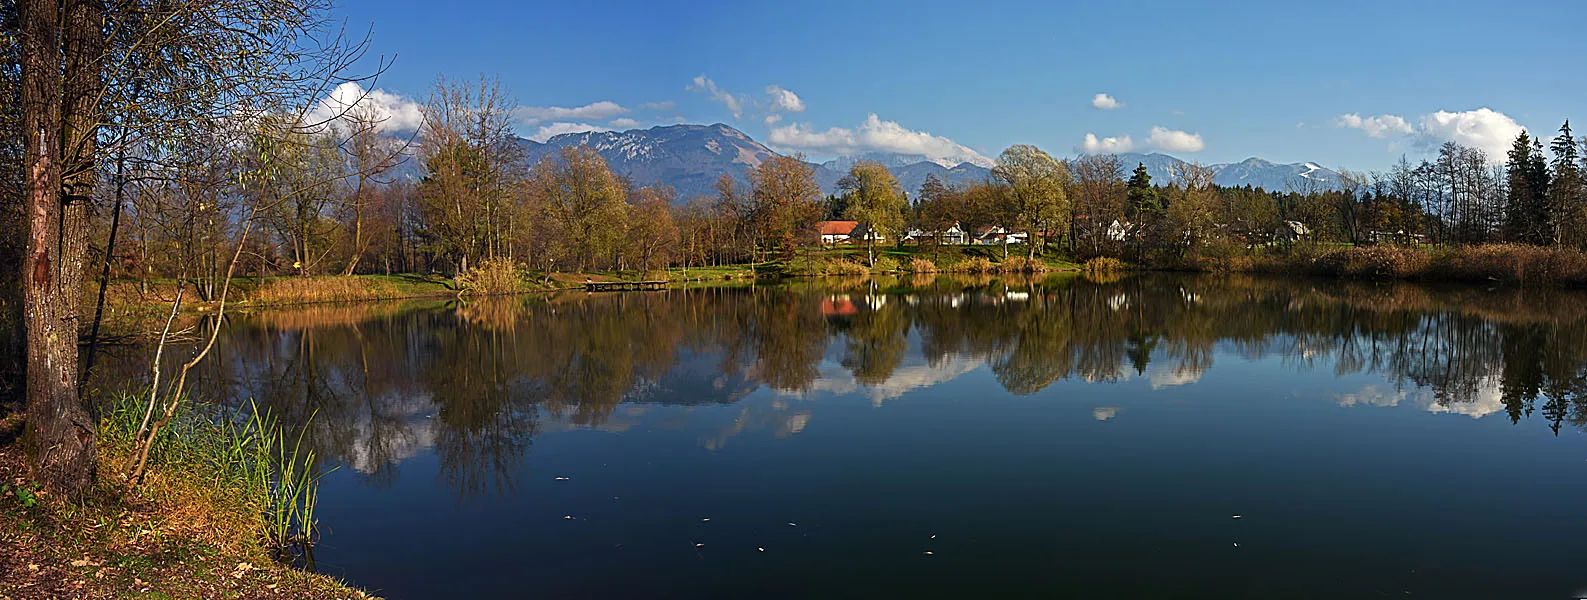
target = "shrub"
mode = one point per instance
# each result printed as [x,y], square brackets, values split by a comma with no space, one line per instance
[978,265]
[885,264]
[1020,264]
[498,275]
[1103,264]
[844,267]
[921,265]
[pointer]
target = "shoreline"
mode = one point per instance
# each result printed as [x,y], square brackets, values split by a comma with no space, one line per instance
[179,535]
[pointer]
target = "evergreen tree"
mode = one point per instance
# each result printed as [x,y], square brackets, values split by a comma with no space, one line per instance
[1142,198]
[1567,194]
[1527,207]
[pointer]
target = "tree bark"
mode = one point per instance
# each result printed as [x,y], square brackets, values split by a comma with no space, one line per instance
[60,433]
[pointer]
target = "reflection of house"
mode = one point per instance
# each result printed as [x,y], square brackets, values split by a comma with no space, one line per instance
[994,234]
[1290,231]
[836,232]
[839,306]
[953,235]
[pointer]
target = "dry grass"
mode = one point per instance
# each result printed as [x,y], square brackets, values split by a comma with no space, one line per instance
[306,290]
[1507,263]
[921,265]
[498,275]
[1020,264]
[1102,264]
[979,265]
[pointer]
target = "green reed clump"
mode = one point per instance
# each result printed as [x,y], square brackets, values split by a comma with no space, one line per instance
[253,477]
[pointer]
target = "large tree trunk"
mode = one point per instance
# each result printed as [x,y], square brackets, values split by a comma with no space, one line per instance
[60,434]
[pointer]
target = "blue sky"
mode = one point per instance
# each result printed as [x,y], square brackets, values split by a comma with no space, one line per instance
[1215,83]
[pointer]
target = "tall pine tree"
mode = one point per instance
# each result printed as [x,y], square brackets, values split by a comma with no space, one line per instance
[1527,207]
[1567,193]
[1143,201]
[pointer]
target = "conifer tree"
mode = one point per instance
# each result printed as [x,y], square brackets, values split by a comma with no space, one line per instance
[1527,209]
[1567,194]
[1142,197]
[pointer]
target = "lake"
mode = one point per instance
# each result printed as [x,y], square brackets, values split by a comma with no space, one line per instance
[1153,436]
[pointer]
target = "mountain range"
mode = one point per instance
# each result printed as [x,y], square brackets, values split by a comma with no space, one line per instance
[690,158]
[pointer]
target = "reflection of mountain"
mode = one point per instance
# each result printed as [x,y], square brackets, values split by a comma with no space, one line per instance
[475,384]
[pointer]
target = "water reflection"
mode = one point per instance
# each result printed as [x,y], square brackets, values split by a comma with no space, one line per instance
[477,381]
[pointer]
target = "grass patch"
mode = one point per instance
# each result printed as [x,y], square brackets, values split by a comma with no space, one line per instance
[197,527]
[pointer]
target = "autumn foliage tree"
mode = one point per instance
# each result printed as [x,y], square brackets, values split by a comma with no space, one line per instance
[785,202]
[1034,183]
[875,202]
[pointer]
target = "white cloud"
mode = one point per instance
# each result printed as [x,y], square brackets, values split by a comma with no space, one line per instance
[604,109]
[876,135]
[1105,102]
[782,99]
[1108,145]
[734,104]
[546,132]
[1173,140]
[624,122]
[1103,413]
[394,112]
[1484,128]
[1381,126]
[663,105]
[773,120]
[1490,130]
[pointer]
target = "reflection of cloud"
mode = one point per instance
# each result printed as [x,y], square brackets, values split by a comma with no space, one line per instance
[837,380]
[752,416]
[402,428]
[1161,375]
[1103,413]
[1487,399]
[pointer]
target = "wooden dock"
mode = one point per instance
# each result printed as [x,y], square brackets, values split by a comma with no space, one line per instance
[624,286]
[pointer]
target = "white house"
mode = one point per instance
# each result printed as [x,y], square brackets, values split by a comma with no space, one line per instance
[953,235]
[836,232]
[994,234]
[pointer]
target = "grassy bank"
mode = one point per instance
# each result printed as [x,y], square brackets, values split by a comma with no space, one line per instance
[195,528]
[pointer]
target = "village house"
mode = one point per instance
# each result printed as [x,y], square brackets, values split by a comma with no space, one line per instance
[954,235]
[1118,231]
[836,232]
[1290,231]
[992,235]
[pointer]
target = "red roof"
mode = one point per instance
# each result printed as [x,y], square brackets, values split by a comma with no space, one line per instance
[838,227]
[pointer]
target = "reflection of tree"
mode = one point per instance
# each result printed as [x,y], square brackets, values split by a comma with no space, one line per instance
[473,381]
[876,342]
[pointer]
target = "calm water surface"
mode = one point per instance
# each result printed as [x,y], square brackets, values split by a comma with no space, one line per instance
[946,437]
